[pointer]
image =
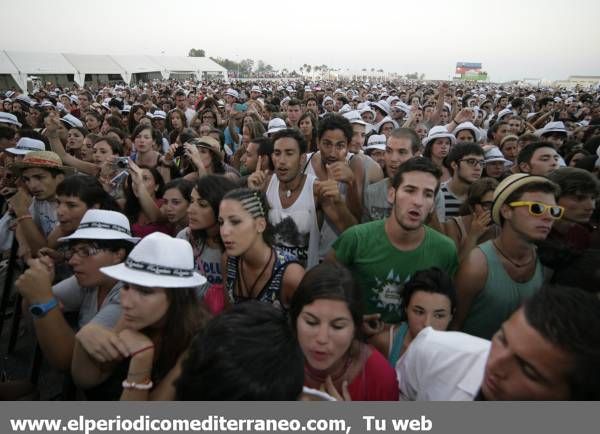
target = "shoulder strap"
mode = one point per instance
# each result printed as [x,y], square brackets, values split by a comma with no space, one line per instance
[308,162]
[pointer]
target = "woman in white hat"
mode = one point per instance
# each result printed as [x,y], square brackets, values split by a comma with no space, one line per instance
[437,146]
[254,268]
[103,238]
[160,314]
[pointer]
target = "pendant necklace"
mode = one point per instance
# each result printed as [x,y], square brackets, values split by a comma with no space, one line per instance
[511,261]
[288,192]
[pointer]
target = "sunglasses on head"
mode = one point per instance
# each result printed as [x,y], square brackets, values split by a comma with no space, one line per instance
[537,209]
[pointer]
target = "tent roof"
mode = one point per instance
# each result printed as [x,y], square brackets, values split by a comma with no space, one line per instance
[137,63]
[172,63]
[6,65]
[41,63]
[93,64]
[205,64]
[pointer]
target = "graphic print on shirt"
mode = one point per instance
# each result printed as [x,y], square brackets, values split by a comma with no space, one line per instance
[289,238]
[387,294]
[210,270]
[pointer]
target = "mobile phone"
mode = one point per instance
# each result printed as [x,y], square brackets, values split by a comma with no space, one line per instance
[119,179]
[122,162]
[179,151]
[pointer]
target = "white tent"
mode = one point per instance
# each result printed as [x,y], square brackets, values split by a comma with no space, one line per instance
[21,64]
[172,64]
[204,64]
[28,63]
[94,64]
[8,67]
[136,64]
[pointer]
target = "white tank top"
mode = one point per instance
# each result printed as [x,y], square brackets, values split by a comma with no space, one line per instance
[295,228]
[328,233]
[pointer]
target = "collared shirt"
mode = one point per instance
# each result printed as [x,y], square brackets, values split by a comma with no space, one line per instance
[442,366]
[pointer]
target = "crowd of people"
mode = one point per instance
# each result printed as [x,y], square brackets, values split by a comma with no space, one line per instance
[334,240]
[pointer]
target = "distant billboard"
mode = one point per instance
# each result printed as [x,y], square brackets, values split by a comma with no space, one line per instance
[470,71]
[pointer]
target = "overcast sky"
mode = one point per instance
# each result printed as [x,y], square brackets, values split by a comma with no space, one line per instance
[514,39]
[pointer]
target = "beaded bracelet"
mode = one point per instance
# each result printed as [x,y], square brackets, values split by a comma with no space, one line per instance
[137,386]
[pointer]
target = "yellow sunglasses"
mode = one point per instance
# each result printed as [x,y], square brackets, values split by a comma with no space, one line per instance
[537,209]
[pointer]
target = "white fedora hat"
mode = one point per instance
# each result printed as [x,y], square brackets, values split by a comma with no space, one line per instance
[158,261]
[354,117]
[439,132]
[100,224]
[376,141]
[495,154]
[25,145]
[275,125]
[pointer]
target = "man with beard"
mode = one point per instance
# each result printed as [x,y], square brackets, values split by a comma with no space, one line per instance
[333,161]
[402,145]
[297,199]
[465,162]
[383,254]
[499,274]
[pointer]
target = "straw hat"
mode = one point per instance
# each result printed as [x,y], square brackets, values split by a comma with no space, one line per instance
[41,160]
[508,186]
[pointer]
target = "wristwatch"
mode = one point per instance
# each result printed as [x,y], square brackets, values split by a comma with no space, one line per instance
[40,310]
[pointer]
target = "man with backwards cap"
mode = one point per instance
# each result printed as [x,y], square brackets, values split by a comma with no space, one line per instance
[497,275]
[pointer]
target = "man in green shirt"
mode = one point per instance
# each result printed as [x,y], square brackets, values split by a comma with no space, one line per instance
[383,254]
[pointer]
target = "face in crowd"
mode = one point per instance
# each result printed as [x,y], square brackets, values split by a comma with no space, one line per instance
[523,365]
[413,200]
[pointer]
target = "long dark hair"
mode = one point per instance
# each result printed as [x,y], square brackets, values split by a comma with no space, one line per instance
[212,188]
[331,281]
[184,318]
[131,123]
[132,206]
[312,145]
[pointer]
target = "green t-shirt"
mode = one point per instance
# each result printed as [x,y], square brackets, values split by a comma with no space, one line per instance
[381,270]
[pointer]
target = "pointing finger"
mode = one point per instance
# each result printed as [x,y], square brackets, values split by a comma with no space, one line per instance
[259,164]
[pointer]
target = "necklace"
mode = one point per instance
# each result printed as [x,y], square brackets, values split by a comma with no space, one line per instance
[533,256]
[321,376]
[288,192]
[249,291]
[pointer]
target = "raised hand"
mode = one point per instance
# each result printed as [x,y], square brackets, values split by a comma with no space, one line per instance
[20,202]
[257,180]
[35,284]
[340,172]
